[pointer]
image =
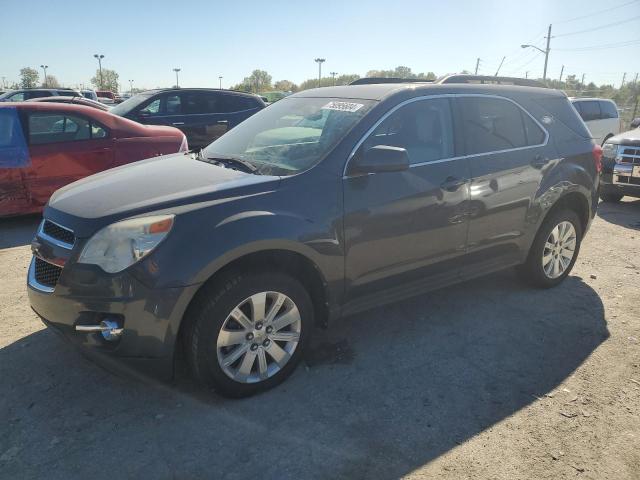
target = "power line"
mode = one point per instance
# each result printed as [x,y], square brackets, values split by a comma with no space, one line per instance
[596,13]
[601,47]
[599,27]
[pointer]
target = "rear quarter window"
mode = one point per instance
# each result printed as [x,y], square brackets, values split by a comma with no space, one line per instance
[589,110]
[560,109]
[608,110]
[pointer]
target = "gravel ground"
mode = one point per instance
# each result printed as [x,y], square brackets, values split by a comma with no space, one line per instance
[488,379]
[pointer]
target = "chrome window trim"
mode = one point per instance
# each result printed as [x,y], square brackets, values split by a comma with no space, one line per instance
[55,241]
[450,159]
[31,278]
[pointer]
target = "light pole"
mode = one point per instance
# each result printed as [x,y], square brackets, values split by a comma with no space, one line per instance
[545,51]
[319,61]
[131,87]
[220,79]
[177,70]
[44,68]
[333,75]
[99,58]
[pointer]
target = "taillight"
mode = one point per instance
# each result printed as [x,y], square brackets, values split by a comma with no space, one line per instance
[184,146]
[597,157]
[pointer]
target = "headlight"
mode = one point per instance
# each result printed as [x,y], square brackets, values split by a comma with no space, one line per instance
[609,150]
[122,244]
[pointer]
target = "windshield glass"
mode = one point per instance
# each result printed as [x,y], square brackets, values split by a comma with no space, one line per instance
[291,135]
[129,104]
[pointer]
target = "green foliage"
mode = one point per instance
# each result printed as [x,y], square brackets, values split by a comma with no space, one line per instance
[109,80]
[285,86]
[28,77]
[401,72]
[258,81]
[51,82]
[329,81]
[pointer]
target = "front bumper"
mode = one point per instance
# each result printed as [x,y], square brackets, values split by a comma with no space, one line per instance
[85,295]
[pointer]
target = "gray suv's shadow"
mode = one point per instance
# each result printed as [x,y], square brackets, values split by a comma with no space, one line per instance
[17,231]
[382,393]
[626,213]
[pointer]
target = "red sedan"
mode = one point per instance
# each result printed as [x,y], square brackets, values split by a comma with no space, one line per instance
[44,146]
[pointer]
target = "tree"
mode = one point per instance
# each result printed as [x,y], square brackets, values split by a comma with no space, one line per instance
[109,80]
[401,72]
[28,77]
[51,82]
[258,81]
[329,81]
[285,86]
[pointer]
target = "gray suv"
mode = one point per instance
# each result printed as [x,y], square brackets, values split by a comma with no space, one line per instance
[329,202]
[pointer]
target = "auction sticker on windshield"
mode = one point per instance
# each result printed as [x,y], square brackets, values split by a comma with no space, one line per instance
[343,106]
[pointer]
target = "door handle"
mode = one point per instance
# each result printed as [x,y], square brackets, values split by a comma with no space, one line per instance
[177,124]
[451,184]
[223,121]
[539,161]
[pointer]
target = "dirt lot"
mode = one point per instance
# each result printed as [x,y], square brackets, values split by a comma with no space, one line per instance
[488,379]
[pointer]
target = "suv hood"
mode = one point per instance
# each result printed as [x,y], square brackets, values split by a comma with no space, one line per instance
[150,185]
[630,138]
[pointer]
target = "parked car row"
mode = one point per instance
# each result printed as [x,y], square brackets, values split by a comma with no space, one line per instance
[45,146]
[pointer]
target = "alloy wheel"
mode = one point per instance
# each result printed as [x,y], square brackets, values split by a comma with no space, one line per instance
[258,337]
[559,249]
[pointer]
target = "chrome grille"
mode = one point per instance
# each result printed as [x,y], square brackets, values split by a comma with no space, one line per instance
[45,273]
[61,235]
[629,155]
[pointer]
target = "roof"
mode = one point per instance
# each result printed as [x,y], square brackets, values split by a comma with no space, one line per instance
[380,91]
[573,99]
[197,89]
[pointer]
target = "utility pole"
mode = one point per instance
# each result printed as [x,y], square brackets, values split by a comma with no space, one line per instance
[624,76]
[333,75]
[220,79]
[319,61]
[177,70]
[545,51]
[499,67]
[582,81]
[635,85]
[477,65]
[526,74]
[44,68]
[100,57]
[561,72]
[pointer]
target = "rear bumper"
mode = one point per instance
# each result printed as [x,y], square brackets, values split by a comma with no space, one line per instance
[150,318]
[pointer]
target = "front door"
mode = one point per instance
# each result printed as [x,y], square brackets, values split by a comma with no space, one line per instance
[64,148]
[408,228]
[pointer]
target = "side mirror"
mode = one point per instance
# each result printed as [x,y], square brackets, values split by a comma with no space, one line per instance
[379,159]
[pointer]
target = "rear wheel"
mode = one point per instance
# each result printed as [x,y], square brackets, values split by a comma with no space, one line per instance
[611,197]
[248,333]
[554,250]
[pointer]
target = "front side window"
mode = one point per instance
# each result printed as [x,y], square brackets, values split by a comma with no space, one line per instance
[17,97]
[291,135]
[57,127]
[152,109]
[424,128]
[494,124]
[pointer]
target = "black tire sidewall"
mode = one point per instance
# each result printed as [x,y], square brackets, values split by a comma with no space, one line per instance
[534,268]
[214,310]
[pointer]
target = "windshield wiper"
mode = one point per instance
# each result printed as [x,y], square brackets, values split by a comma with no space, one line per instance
[229,162]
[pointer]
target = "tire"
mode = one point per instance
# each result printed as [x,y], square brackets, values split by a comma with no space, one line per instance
[225,322]
[536,271]
[611,197]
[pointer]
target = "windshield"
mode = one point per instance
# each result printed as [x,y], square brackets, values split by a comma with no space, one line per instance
[291,135]
[129,104]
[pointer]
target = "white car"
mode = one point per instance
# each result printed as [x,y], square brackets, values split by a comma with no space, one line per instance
[600,115]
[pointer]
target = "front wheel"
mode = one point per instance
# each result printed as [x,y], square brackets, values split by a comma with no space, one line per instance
[554,250]
[248,333]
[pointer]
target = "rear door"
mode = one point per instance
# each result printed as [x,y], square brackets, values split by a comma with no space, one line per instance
[205,117]
[14,158]
[507,156]
[64,147]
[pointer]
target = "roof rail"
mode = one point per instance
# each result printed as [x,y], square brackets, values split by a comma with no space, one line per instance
[491,80]
[371,80]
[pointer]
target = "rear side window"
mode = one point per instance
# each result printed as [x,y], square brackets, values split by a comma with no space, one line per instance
[57,127]
[589,110]
[494,124]
[196,103]
[39,94]
[608,110]
[236,103]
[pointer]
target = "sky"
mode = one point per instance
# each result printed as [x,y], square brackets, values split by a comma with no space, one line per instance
[144,40]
